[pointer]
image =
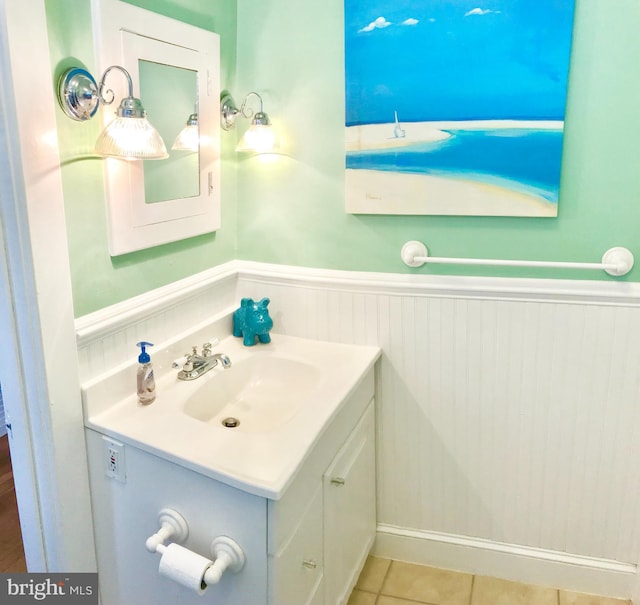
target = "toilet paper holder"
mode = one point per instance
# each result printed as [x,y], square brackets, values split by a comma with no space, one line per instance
[226,551]
[172,525]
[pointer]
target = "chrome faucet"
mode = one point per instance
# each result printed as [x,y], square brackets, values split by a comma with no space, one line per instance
[194,365]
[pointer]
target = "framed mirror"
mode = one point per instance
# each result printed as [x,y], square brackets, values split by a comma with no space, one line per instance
[175,70]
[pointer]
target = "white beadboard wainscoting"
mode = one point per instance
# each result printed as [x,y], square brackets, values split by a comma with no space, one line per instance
[508,410]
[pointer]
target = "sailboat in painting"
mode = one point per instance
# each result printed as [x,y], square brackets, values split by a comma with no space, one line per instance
[398,131]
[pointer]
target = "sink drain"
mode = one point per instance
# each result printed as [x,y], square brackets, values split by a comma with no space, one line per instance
[230,423]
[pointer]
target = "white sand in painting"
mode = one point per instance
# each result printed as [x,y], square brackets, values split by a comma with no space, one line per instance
[381,192]
[381,136]
[385,192]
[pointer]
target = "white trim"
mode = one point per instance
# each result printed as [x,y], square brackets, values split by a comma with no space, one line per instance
[13,288]
[125,313]
[501,288]
[509,561]
[43,398]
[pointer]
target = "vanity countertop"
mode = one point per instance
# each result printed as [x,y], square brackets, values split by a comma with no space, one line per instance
[261,462]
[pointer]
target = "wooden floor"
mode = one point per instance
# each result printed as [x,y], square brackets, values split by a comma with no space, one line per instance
[11,551]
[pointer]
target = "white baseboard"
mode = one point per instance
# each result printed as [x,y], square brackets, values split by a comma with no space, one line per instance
[507,561]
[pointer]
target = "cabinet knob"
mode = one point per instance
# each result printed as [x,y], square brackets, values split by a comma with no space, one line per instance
[309,564]
[337,481]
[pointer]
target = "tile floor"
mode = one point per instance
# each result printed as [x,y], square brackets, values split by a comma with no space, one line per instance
[386,582]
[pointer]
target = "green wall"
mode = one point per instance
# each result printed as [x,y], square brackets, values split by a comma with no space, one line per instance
[291,210]
[97,279]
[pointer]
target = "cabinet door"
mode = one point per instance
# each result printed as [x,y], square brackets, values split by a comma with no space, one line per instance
[297,570]
[349,510]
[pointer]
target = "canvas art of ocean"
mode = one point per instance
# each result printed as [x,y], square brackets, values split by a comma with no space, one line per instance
[456,107]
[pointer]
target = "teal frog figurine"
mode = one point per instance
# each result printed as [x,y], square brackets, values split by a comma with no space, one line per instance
[251,320]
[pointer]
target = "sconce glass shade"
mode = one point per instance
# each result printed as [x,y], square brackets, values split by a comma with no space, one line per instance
[258,138]
[132,139]
[131,136]
[188,138]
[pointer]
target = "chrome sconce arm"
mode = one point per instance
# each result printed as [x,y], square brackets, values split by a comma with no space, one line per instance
[229,111]
[130,135]
[260,136]
[130,106]
[80,96]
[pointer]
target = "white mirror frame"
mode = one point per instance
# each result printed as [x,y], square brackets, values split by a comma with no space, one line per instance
[124,34]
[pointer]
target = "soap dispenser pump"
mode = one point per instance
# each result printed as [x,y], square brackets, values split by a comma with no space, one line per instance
[146,384]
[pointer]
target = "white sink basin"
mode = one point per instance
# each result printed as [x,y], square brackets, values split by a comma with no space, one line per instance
[261,394]
[284,394]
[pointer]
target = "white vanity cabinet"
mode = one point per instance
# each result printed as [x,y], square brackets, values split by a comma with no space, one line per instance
[307,547]
[318,546]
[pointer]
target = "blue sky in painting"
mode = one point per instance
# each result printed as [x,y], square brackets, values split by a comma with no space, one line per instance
[456,59]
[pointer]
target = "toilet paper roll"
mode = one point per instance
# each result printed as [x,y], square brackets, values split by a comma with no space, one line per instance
[184,567]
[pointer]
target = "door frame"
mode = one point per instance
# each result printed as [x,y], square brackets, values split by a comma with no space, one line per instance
[38,363]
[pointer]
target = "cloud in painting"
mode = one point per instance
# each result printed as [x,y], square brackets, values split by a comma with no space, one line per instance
[379,23]
[410,21]
[480,11]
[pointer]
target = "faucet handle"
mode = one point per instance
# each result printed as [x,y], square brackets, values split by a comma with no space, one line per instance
[179,362]
[207,346]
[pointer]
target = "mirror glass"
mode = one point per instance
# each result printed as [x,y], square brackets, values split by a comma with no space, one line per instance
[169,95]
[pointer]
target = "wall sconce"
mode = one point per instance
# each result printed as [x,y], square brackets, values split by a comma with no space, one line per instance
[130,135]
[188,138]
[259,137]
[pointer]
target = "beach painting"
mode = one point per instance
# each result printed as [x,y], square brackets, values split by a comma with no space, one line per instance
[455,107]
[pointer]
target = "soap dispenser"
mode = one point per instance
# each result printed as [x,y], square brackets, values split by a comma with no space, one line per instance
[145,382]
